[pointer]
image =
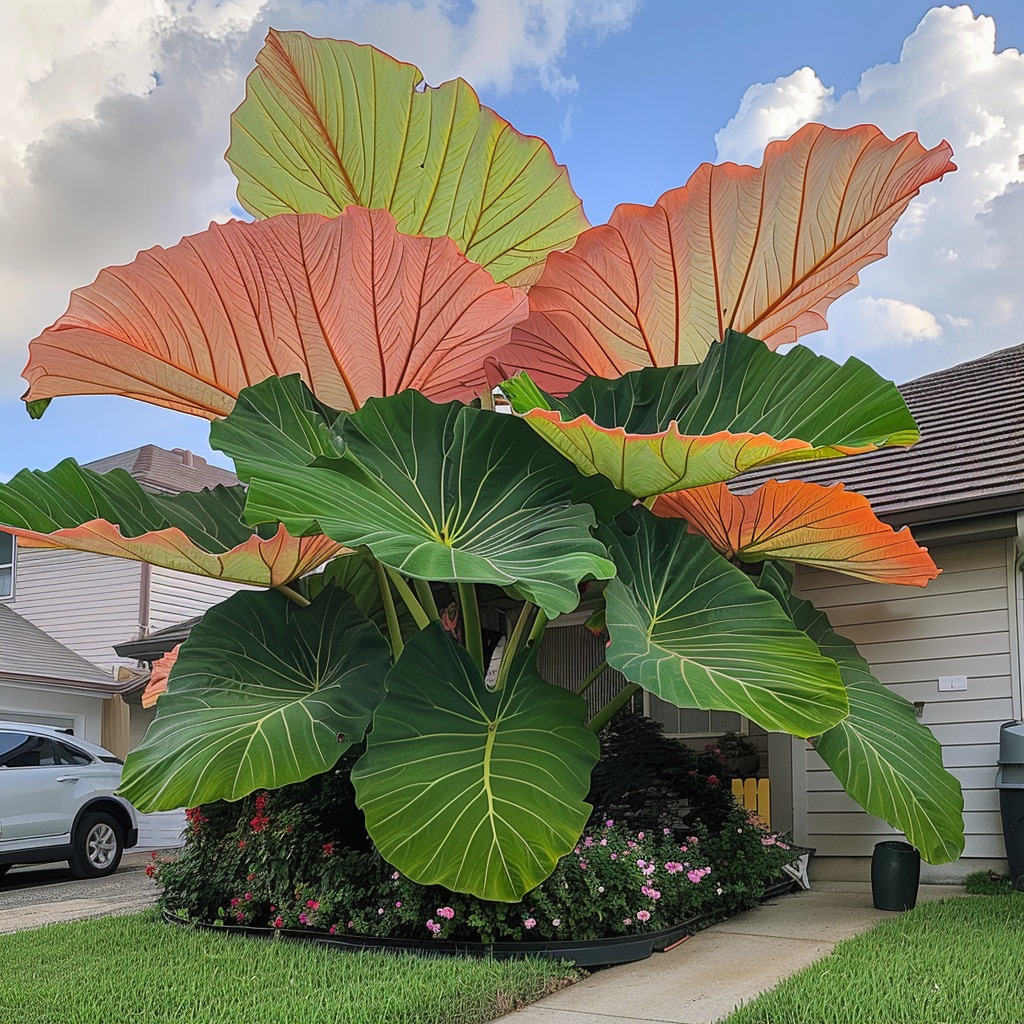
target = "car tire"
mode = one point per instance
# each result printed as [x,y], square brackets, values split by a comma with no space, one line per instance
[97,846]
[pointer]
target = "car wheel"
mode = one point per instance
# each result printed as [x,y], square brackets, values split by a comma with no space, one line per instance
[97,846]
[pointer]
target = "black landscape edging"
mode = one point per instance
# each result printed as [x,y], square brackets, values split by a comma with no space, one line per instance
[616,949]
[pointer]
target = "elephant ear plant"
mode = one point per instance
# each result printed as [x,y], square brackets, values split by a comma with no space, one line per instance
[410,251]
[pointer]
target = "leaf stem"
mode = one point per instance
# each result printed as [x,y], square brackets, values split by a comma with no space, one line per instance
[471,623]
[390,612]
[607,713]
[592,678]
[426,598]
[406,594]
[537,631]
[292,595]
[487,399]
[514,642]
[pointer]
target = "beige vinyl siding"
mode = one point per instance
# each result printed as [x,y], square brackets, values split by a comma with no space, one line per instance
[87,602]
[958,625]
[176,596]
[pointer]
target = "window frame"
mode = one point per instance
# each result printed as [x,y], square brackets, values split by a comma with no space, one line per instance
[11,564]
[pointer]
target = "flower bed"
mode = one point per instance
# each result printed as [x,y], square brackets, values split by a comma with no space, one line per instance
[298,860]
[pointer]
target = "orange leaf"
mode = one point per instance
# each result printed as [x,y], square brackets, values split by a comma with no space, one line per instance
[827,527]
[257,561]
[158,677]
[763,251]
[356,308]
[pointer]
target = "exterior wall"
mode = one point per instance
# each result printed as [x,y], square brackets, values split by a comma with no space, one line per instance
[49,705]
[959,625]
[176,596]
[87,602]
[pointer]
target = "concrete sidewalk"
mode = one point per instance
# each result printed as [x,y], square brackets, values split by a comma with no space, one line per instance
[706,977]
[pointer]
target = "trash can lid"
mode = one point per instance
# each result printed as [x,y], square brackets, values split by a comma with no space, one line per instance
[1011,743]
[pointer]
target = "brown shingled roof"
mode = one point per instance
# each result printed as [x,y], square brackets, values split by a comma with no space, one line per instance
[169,471]
[969,461]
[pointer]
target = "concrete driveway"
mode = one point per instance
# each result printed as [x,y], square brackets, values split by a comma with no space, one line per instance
[41,894]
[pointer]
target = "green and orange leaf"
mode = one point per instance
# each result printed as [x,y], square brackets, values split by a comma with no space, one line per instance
[200,533]
[827,527]
[763,251]
[353,306]
[327,124]
[158,677]
[664,429]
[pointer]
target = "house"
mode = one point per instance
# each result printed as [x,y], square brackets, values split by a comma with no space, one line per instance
[75,606]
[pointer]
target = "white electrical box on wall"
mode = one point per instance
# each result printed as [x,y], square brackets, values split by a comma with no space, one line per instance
[952,683]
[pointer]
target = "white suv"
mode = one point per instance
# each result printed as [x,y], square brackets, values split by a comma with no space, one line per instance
[57,802]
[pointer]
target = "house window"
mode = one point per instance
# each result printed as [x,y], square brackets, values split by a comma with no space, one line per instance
[686,722]
[7,548]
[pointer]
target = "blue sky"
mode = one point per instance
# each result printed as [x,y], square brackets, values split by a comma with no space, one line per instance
[96,162]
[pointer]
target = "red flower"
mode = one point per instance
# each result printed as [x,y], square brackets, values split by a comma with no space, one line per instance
[328,849]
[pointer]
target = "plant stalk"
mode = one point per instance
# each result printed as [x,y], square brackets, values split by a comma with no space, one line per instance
[390,612]
[471,623]
[487,399]
[514,643]
[592,678]
[426,598]
[537,631]
[607,713]
[405,593]
[293,595]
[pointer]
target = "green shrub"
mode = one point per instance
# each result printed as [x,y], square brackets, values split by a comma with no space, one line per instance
[299,857]
[989,883]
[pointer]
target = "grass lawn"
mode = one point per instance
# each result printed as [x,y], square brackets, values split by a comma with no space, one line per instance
[958,961]
[133,970]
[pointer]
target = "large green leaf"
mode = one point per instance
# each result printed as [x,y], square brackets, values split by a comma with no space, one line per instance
[263,693]
[885,758]
[447,493]
[480,791]
[279,420]
[195,532]
[327,124]
[665,429]
[695,630]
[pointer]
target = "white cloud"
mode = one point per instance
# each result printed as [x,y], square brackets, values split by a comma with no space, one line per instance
[114,115]
[956,254]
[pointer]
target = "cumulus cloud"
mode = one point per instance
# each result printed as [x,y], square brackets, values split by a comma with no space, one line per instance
[114,115]
[950,288]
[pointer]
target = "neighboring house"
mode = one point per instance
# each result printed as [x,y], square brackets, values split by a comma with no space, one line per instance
[87,603]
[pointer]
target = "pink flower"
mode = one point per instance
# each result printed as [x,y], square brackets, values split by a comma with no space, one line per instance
[695,875]
[650,869]
[556,921]
[445,912]
[673,866]
[248,895]
[613,856]
[604,842]
[312,904]
[530,923]
[666,831]
[328,849]
[583,865]
[588,842]
[627,920]
[432,927]
[609,823]
[643,915]
[380,910]
[234,901]
[714,780]
[398,904]
[640,835]
[278,922]
[332,929]
[641,863]
[303,919]
[394,876]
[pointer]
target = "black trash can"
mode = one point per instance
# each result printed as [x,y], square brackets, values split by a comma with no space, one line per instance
[1010,783]
[895,875]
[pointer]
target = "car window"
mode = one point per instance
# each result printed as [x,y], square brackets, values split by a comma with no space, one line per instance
[31,752]
[69,755]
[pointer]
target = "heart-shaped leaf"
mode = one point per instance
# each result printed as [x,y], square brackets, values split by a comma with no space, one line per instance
[665,429]
[827,527]
[351,305]
[263,693]
[480,791]
[885,758]
[447,493]
[763,251]
[693,629]
[328,124]
[198,532]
